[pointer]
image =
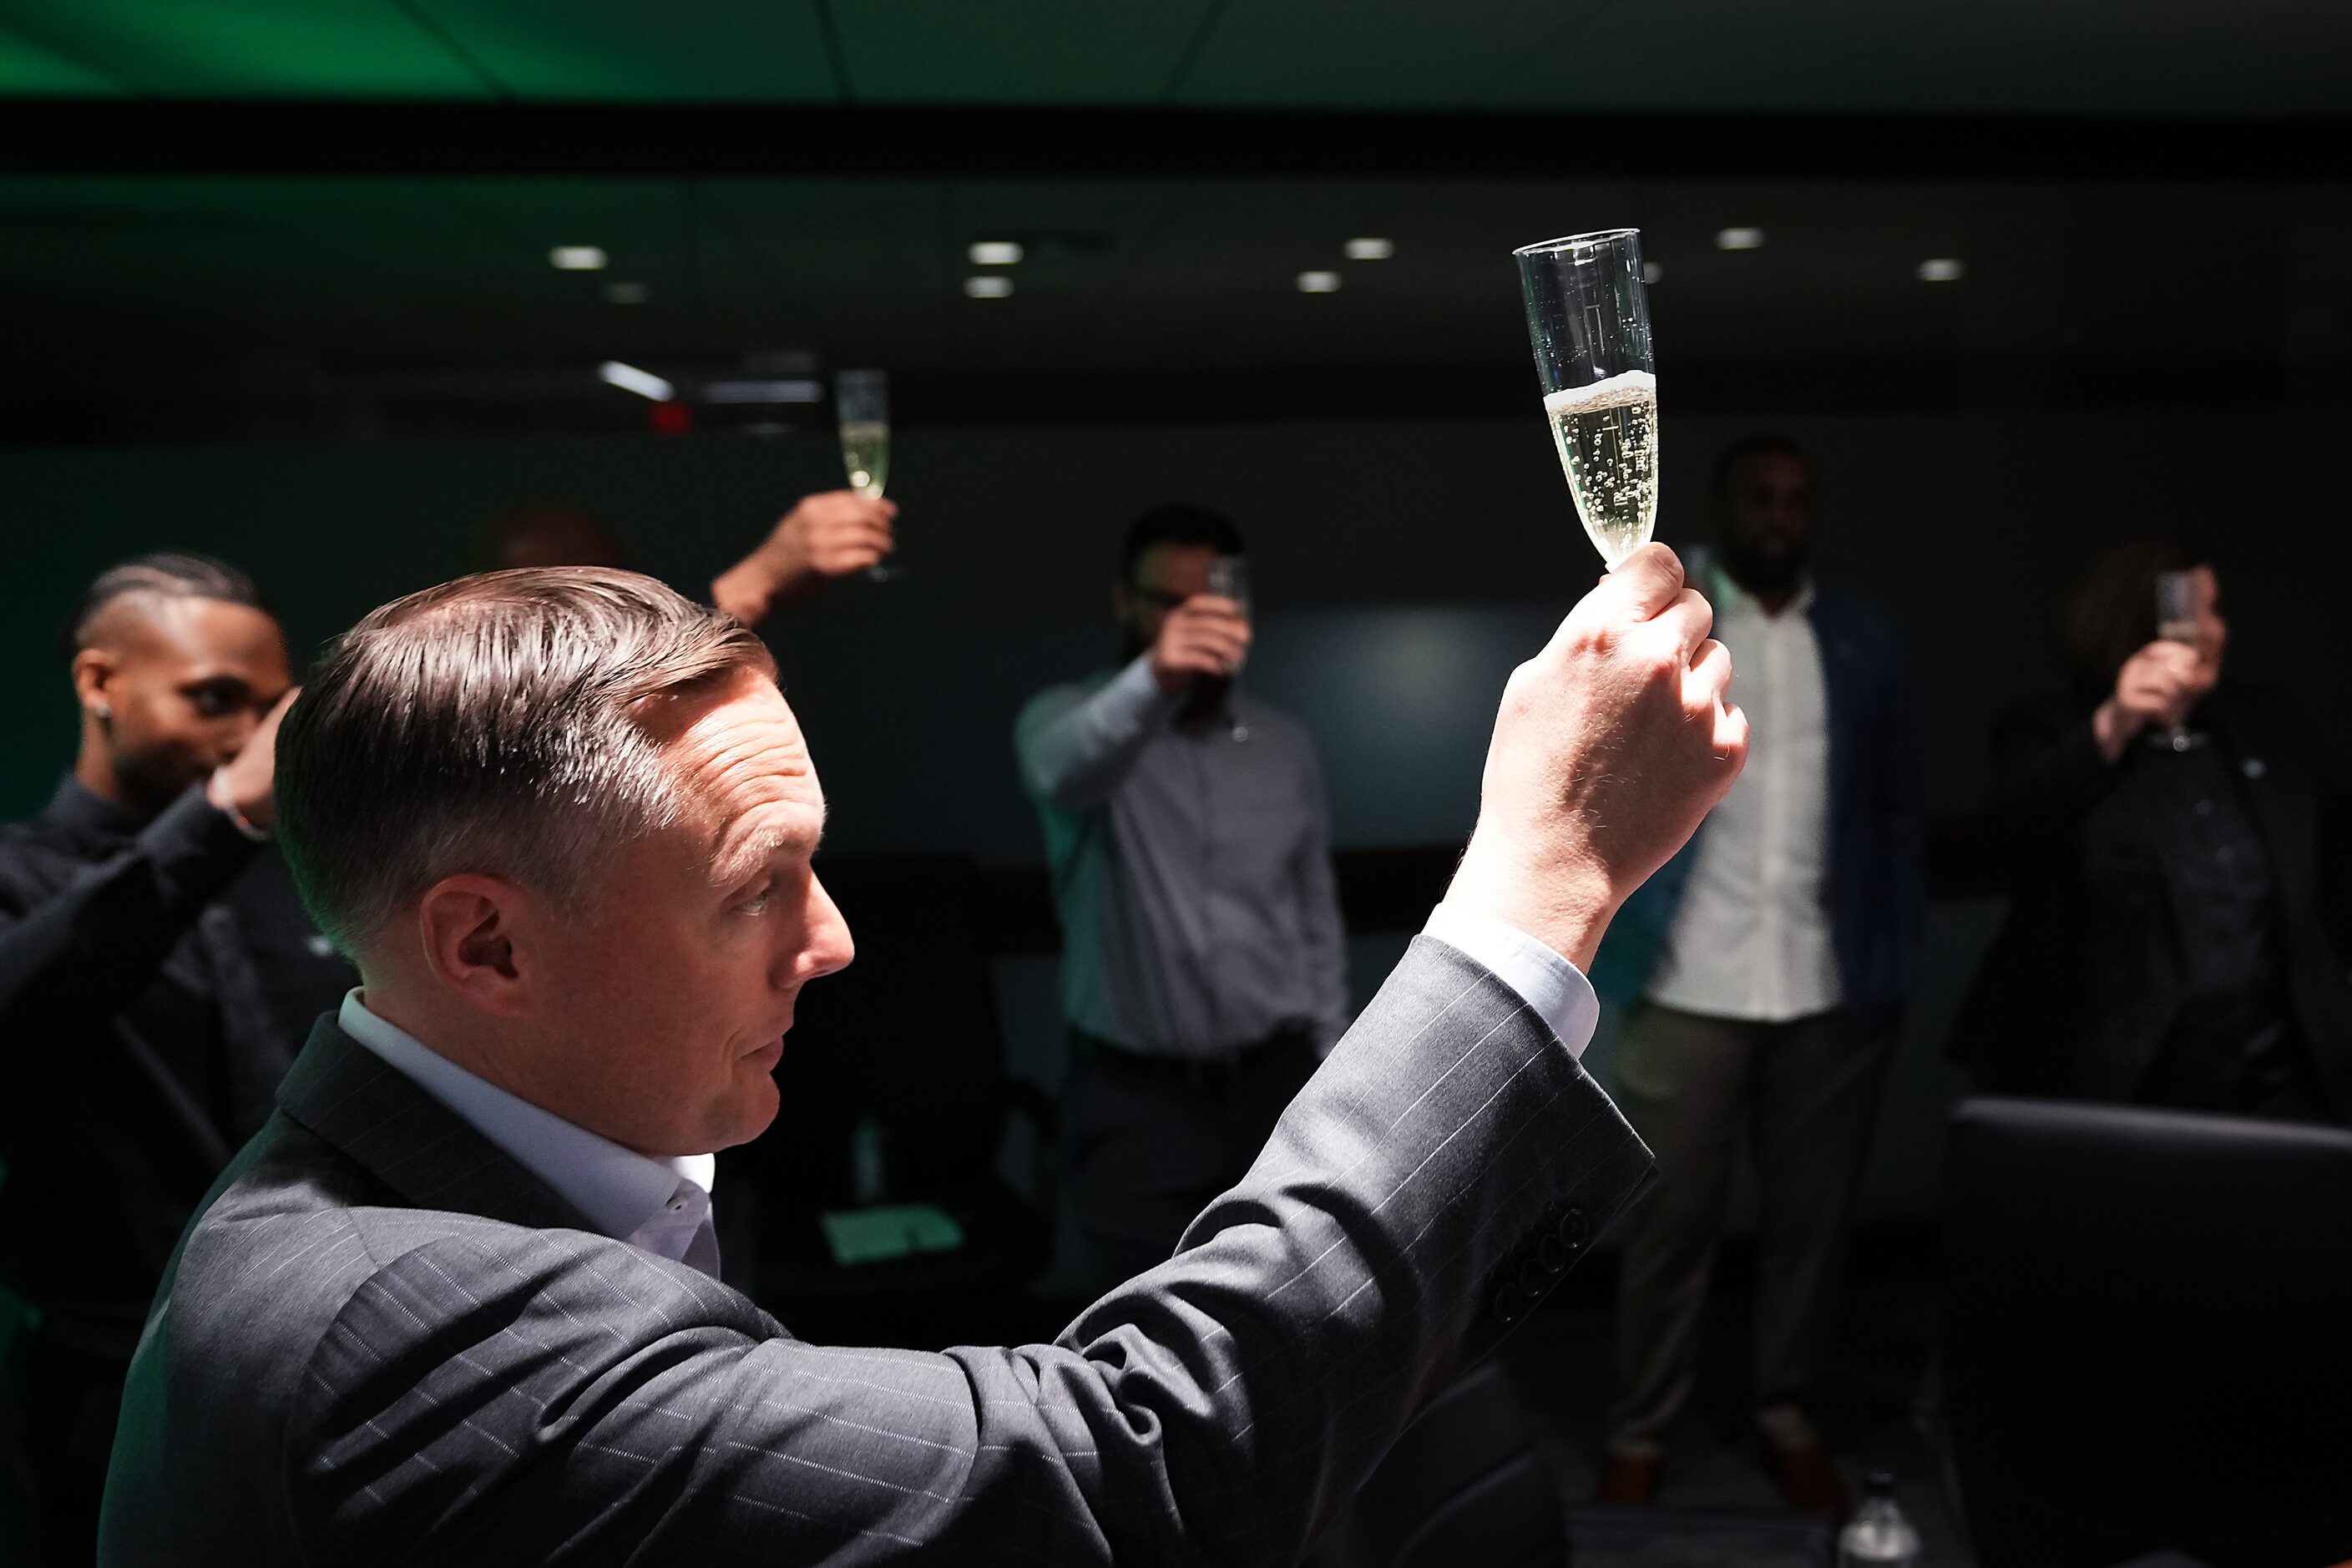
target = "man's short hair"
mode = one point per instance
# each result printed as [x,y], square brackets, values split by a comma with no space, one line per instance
[164,574]
[1179,523]
[1769,444]
[490,724]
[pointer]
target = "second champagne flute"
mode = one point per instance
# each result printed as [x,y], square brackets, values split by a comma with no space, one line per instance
[861,401]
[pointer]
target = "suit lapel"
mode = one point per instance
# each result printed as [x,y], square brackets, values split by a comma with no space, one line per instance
[376,1114]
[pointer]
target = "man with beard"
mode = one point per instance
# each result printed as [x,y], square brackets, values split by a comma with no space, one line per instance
[1766,966]
[1204,966]
[157,972]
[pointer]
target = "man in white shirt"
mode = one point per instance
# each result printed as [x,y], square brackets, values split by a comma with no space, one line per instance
[1766,966]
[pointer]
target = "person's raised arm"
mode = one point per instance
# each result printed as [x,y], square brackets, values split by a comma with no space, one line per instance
[101,937]
[1075,747]
[827,535]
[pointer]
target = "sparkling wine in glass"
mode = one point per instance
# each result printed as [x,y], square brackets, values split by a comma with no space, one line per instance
[1589,323]
[861,401]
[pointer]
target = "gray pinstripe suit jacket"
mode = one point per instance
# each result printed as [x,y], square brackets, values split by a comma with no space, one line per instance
[383,1342]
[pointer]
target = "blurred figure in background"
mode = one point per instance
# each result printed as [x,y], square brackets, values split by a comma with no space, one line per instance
[157,975]
[1203,962]
[2169,937]
[831,534]
[1766,966]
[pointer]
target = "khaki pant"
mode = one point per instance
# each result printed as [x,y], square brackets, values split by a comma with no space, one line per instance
[1806,1091]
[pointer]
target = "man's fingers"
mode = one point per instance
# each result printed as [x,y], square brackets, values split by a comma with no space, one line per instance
[1645,582]
[1710,677]
[1731,737]
[1690,617]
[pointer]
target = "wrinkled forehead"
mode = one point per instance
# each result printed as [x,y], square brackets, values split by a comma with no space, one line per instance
[740,771]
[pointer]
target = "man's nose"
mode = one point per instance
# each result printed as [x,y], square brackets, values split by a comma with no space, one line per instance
[830,947]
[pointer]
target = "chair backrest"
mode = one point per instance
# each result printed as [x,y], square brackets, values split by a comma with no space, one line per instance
[2147,1334]
[907,1037]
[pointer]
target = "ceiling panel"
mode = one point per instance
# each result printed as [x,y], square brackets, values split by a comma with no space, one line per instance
[2156,58]
[1044,51]
[1368,53]
[30,68]
[232,47]
[628,51]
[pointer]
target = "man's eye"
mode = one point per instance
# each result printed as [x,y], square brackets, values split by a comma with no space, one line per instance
[758,902]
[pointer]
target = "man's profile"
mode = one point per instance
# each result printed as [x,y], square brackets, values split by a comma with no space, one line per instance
[458,1301]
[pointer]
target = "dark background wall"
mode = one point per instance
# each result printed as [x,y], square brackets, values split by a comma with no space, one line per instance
[1402,567]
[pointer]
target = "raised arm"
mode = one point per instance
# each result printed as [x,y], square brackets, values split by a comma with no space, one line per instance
[101,938]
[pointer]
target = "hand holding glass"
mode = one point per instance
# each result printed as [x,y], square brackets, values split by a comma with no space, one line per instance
[1589,323]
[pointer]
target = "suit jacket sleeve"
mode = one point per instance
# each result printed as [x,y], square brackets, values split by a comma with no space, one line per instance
[100,938]
[543,1399]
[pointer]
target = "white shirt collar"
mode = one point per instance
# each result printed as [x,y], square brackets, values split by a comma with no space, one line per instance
[1731,599]
[620,1191]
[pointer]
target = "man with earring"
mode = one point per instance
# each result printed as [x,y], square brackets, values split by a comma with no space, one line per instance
[157,975]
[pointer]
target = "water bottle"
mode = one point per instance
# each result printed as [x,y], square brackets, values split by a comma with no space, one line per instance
[1879,1536]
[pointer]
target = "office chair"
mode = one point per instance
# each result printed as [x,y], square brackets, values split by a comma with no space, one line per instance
[2147,1335]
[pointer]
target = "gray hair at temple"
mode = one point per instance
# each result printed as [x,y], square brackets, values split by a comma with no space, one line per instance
[489,725]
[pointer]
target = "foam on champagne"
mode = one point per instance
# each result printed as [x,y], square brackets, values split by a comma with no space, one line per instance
[1619,390]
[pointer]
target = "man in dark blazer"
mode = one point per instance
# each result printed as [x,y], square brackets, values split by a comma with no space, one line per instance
[157,975]
[458,1303]
[1765,969]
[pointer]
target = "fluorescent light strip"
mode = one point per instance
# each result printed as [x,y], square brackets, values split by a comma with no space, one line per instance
[763,391]
[1318,283]
[994,252]
[1738,239]
[629,378]
[578,257]
[988,288]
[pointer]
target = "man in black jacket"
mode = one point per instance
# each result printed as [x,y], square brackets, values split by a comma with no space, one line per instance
[157,971]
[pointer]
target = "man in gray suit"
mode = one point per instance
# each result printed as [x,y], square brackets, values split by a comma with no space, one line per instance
[457,1302]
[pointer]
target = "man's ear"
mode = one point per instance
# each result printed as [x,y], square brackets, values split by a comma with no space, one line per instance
[473,929]
[92,669]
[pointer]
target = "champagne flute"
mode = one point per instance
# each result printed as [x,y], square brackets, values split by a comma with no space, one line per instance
[1589,322]
[2180,614]
[861,401]
[1228,578]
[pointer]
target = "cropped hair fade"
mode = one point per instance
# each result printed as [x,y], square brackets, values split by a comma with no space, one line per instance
[163,575]
[489,724]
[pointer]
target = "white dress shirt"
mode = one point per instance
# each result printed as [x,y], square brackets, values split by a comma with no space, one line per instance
[661,1206]
[1751,939]
[1548,983]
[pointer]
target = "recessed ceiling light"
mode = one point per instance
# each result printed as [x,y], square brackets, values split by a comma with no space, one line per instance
[626,293]
[629,378]
[1738,239]
[1942,269]
[1651,272]
[578,257]
[1318,283]
[994,252]
[1370,249]
[988,288]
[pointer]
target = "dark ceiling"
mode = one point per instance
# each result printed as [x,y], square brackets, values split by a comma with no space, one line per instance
[257,215]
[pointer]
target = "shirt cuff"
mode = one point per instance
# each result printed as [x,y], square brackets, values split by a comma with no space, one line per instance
[1558,991]
[1132,697]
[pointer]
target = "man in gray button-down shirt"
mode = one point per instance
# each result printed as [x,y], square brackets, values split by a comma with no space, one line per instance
[1204,966]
